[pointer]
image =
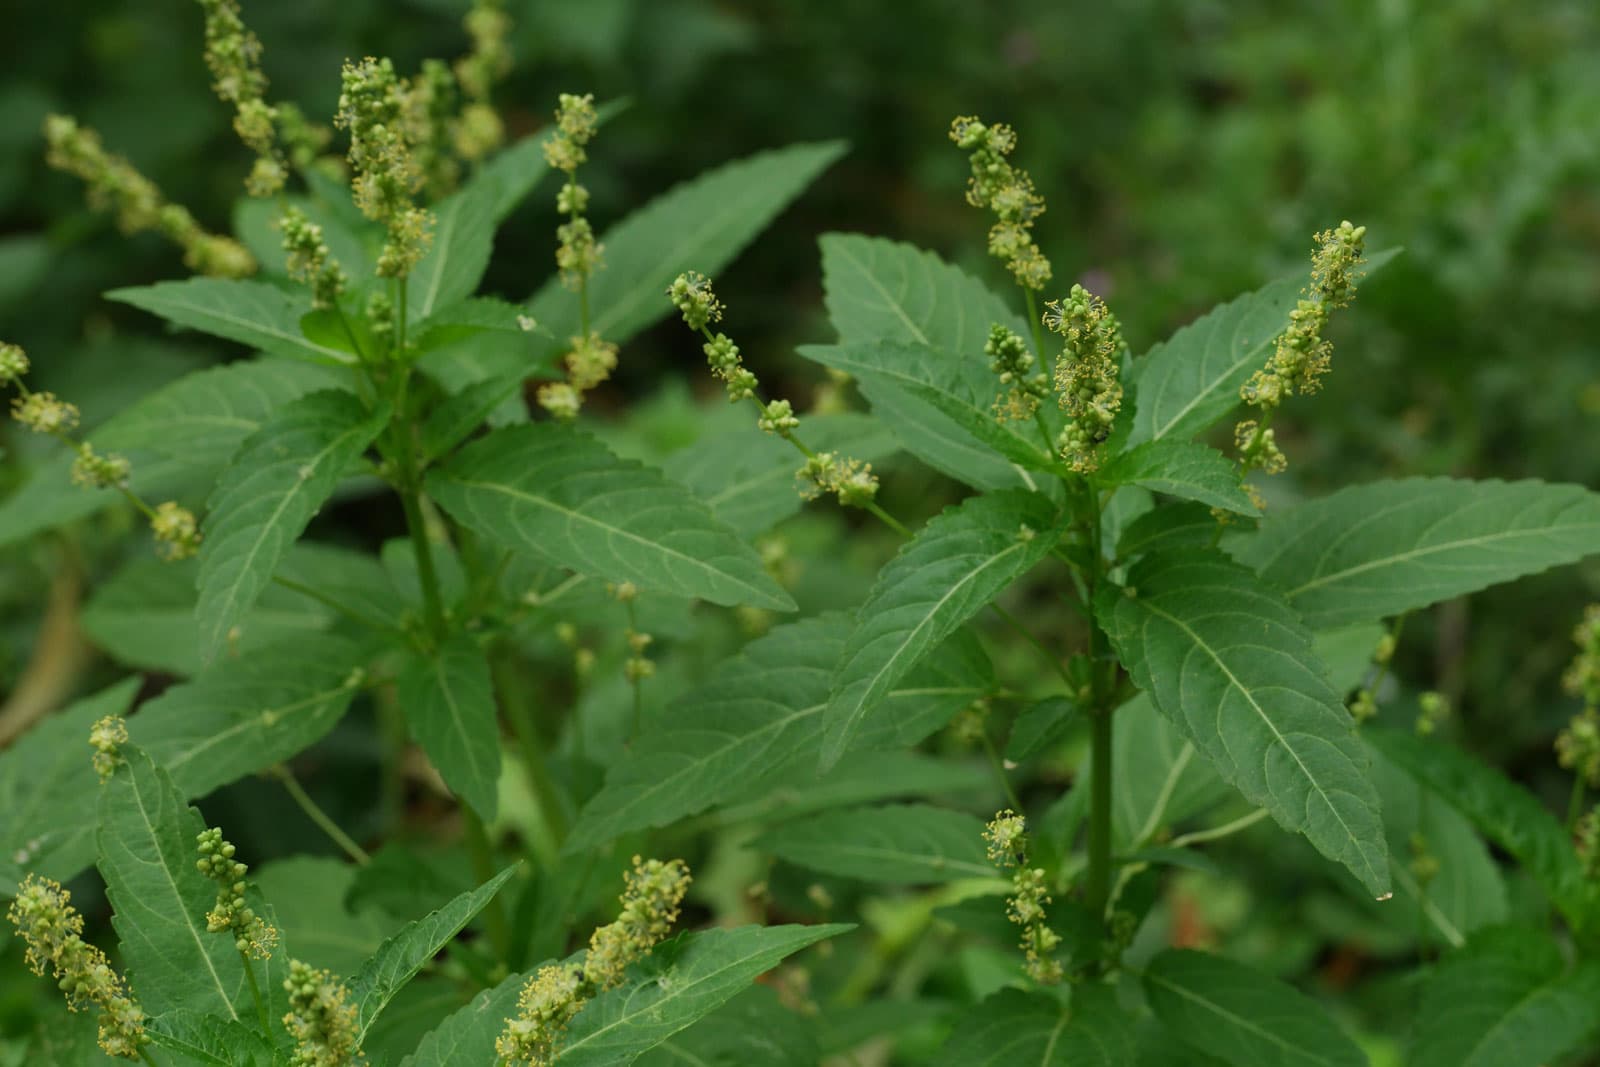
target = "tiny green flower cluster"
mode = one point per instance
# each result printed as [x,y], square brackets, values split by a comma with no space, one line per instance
[850,480]
[310,260]
[324,1024]
[1587,839]
[590,360]
[651,896]
[372,107]
[115,186]
[53,931]
[233,54]
[1088,373]
[1301,355]
[480,130]
[1014,364]
[106,737]
[432,101]
[1007,840]
[254,937]
[176,531]
[1006,191]
[1578,745]
[638,666]
[1432,709]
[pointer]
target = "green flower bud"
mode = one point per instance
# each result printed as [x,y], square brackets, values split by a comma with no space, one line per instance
[44,413]
[176,531]
[1006,191]
[324,1024]
[107,737]
[13,363]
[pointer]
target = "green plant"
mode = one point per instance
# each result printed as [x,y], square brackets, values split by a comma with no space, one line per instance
[1180,651]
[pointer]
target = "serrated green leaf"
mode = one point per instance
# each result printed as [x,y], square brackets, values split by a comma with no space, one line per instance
[1505,1000]
[448,700]
[1465,893]
[459,414]
[144,616]
[146,836]
[955,386]
[1017,1029]
[754,724]
[210,1040]
[1172,526]
[258,315]
[680,982]
[752,1028]
[902,844]
[466,1037]
[1375,550]
[1182,469]
[1243,1017]
[458,253]
[1192,379]
[47,789]
[1157,779]
[866,777]
[1225,658]
[946,574]
[699,225]
[558,493]
[278,480]
[1507,815]
[403,955]
[747,477]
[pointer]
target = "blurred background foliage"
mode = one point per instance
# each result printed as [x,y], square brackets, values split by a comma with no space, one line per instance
[1187,150]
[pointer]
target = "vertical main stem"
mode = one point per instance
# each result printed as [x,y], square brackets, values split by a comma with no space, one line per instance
[1098,885]
[494,916]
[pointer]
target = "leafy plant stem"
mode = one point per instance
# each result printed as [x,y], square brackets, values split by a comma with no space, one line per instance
[494,916]
[1243,822]
[314,812]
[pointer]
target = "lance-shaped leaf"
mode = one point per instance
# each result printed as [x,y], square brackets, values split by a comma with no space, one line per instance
[754,725]
[280,478]
[950,571]
[1505,1000]
[48,790]
[1192,379]
[256,314]
[1225,658]
[1510,817]
[458,254]
[1017,1029]
[881,290]
[159,899]
[753,1027]
[558,493]
[211,1040]
[1390,547]
[448,700]
[904,844]
[678,983]
[1181,469]
[747,478]
[1243,1017]
[961,389]
[404,954]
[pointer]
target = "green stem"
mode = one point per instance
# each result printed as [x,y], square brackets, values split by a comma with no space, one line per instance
[314,811]
[432,604]
[518,711]
[1575,805]
[1036,324]
[1097,885]
[483,868]
[1216,833]
[255,994]
[144,1054]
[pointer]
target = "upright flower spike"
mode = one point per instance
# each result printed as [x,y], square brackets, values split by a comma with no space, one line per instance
[1300,356]
[253,936]
[1009,193]
[1014,364]
[372,108]
[324,1024]
[309,258]
[651,897]
[432,101]
[1088,373]
[233,54]
[116,187]
[479,130]
[52,930]
[1006,839]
